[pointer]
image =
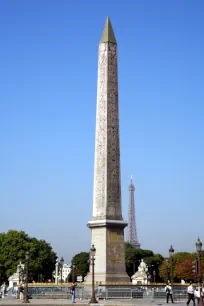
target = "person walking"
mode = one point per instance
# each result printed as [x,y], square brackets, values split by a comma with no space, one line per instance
[73,287]
[191,296]
[3,290]
[169,293]
[197,295]
[21,291]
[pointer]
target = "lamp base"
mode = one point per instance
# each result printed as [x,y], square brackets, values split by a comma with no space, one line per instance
[201,302]
[93,300]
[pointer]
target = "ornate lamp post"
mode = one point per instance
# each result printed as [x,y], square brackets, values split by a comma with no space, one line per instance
[167,270]
[199,249]
[26,283]
[56,271]
[148,274]
[151,273]
[171,253]
[92,259]
[154,274]
[73,273]
[148,278]
[61,263]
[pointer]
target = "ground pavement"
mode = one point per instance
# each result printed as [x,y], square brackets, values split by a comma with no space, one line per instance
[127,302]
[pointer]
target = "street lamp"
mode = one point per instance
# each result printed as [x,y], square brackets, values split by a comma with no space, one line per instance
[167,270]
[154,273]
[26,284]
[148,275]
[171,253]
[148,278]
[92,258]
[61,263]
[73,273]
[151,267]
[199,249]
[56,271]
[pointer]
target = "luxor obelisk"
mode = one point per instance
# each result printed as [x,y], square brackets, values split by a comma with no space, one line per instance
[107,225]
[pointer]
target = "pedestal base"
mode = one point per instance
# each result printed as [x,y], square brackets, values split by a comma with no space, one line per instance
[140,282]
[108,239]
[108,278]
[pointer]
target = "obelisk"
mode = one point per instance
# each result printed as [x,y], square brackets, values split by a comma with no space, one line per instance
[107,225]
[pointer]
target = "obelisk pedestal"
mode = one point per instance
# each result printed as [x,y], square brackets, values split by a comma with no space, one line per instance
[107,225]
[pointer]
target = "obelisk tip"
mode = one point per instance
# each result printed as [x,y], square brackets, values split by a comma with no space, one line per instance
[108,34]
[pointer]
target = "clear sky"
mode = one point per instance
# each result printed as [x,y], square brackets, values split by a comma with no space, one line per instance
[48,77]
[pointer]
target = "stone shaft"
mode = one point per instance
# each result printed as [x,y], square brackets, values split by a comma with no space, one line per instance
[107,189]
[107,225]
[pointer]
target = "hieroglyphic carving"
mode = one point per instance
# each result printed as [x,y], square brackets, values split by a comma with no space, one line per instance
[115,247]
[101,136]
[113,171]
[107,190]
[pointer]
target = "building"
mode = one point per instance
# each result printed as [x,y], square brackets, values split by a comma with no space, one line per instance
[66,270]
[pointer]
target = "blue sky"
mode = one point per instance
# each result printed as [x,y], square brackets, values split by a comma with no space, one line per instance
[48,60]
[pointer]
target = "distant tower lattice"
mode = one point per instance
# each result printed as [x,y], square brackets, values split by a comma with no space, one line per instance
[132,231]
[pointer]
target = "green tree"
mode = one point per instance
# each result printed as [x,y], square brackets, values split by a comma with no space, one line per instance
[81,261]
[182,267]
[133,257]
[164,271]
[43,259]
[153,263]
[154,260]
[178,268]
[13,246]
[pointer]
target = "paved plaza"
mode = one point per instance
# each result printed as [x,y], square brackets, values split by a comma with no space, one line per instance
[126,302]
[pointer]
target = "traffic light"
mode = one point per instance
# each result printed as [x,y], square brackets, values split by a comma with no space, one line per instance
[195,266]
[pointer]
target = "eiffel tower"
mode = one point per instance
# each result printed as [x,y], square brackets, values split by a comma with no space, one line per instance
[132,229]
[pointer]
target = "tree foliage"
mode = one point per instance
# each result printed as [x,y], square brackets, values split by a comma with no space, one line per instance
[13,246]
[182,264]
[133,257]
[182,267]
[132,260]
[132,254]
[81,261]
[164,271]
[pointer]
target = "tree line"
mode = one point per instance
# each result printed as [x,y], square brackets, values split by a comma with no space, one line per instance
[14,244]
[157,264]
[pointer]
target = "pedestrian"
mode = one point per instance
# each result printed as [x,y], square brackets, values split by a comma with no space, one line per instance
[190,291]
[18,292]
[73,287]
[197,295]
[3,290]
[169,293]
[21,291]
